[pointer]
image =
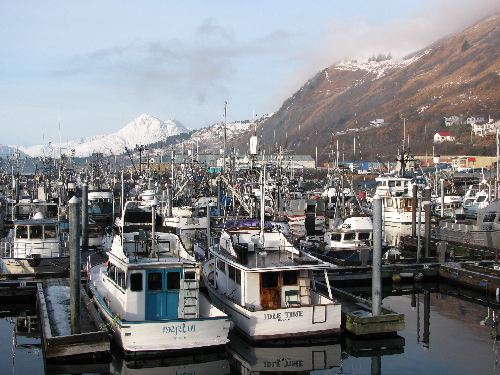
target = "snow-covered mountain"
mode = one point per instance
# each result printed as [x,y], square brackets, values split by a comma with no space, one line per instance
[6,151]
[144,130]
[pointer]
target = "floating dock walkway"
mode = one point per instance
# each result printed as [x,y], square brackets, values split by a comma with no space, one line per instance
[57,340]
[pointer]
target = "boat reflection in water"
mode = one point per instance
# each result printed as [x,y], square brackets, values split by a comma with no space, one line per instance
[210,363]
[283,357]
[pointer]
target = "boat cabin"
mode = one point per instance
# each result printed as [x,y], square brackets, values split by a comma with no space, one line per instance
[36,238]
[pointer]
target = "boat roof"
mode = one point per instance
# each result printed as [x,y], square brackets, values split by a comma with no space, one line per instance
[36,221]
[273,260]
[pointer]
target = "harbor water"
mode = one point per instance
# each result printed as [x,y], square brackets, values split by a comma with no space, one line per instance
[446,333]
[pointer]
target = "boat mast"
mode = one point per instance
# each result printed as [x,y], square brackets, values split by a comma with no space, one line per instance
[262,204]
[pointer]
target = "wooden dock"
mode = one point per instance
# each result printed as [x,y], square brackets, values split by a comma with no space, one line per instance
[358,319]
[57,342]
[477,276]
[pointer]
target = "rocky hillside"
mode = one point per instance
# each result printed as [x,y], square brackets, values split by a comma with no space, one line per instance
[459,74]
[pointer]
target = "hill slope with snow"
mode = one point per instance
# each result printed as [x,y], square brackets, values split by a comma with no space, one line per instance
[144,130]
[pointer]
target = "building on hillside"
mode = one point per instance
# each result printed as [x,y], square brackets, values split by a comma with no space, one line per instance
[440,137]
[377,123]
[461,163]
[453,120]
[484,128]
[473,119]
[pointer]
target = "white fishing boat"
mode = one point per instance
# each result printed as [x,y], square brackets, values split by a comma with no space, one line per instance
[100,205]
[267,286]
[396,193]
[348,238]
[35,246]
[148,291]
[483,231]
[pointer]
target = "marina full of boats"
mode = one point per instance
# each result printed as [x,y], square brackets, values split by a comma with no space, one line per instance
[175,257]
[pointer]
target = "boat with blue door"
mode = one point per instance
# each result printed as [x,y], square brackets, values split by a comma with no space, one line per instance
[148,290]
[267,286]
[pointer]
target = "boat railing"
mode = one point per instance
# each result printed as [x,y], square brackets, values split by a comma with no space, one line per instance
[41,249]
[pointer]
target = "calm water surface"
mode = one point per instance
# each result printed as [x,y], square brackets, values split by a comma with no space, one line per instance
[444,335]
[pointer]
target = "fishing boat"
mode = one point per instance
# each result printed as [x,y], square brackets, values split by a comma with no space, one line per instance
[350,237]
[100,206]
[484,231]
[266,285]
[148,290]
[35,246]
[396,193]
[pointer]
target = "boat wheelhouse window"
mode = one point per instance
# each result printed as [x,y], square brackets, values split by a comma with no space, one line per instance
[120,278]
[234,274]
[481,198]
[392,183]
[289,277]
[336,237]
[21,231]
[36,231]
[363,236]
[489,218]
[221,265]
[154,281]
[349,236]
[49,231]
[136,282]
[270,279]
[111,272]
[173,280]
[190,276]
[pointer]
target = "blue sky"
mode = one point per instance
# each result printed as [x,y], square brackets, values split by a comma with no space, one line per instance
[93,66]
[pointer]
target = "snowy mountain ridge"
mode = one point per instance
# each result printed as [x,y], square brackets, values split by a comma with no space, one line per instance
[143,130]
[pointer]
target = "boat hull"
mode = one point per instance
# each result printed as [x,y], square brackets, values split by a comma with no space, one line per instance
[297,322]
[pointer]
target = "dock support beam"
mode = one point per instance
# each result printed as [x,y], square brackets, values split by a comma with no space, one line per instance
[442,197]
[427,318]
[427,224]
[85,216]
[377,256]
[414,211]
[74,261]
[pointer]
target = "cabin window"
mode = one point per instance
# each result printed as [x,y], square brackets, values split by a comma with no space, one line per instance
[173,280]
[36,232]
[111,272]
[120,279]
[22,231]
[190,276]
[489,218]
[234,274]
[336,237]
[482,198]
[349,236]
[270,279]
[49,231]
[363,236]
[392,183]
[289,277]
[136,282]
[154,281]
[221,265]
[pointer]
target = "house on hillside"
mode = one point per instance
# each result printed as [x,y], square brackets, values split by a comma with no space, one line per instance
[443,137]
[452,120]
[474,119]
[377,123]
[484,128]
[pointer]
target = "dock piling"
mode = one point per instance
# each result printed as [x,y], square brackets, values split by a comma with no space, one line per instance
[414,211]
[75,267]
[427,224]
[377,256]
[85,216]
